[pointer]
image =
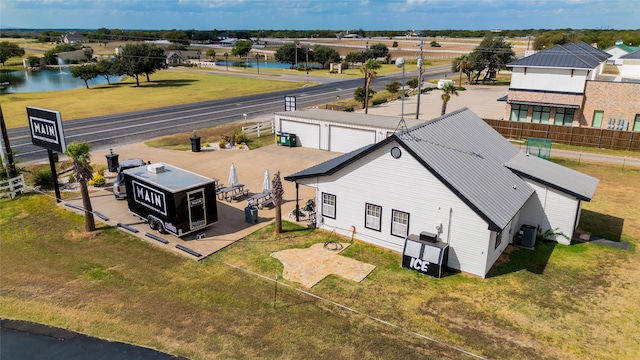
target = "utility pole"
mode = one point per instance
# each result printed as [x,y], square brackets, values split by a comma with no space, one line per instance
[419,80]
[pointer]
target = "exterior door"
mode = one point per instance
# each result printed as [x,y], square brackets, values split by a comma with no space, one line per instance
[597,119]
[197,210]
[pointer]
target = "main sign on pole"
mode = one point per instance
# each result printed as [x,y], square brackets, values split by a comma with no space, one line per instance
[46,129]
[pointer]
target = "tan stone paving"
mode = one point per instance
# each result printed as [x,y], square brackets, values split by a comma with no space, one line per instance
[309,266]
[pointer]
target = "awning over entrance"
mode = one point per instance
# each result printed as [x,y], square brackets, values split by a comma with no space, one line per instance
[536,103]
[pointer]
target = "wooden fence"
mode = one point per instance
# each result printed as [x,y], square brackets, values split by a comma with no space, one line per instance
[260,129]
[579,136]
[13,186]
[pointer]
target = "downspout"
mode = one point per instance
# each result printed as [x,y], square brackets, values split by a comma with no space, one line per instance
[449,227]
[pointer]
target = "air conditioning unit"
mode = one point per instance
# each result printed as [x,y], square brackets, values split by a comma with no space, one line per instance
[156,168]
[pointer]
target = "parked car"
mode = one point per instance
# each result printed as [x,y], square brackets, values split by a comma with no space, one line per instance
[119,190]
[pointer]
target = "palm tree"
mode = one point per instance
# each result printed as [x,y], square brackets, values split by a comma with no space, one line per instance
[461,64]
[79,153]
[277,191]
[447,90]
[370,70]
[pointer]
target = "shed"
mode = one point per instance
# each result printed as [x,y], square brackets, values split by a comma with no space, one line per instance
[337,131]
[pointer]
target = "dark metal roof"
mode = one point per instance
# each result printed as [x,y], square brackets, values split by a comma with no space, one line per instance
[574,56]
[538,103]
[469,157]
[632,55]
[580,185]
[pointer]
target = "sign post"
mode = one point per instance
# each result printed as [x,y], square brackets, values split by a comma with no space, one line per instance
[46,132]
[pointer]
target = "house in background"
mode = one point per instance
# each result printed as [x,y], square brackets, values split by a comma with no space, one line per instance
[618,50]
[73,38]
[179,57]
[454,176]
[568,85]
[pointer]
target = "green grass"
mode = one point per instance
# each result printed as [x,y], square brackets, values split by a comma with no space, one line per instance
[166,88]
[569,302]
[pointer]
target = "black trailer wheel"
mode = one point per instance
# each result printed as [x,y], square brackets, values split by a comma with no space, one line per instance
[153,223]
[161,228]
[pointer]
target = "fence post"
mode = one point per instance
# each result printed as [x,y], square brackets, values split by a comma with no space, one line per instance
[600,138]
[258,129]
[630,141]
[521,129]
[571,135]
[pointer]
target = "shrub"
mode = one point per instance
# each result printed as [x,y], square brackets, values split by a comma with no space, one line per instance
[348,109]
[222,143]
[98,180]
[379,101]
[395,44]
[43,178]
[239,138]
[71,179]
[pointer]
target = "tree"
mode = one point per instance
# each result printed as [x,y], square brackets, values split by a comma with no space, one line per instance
[177,36]
[324,55]
[447,90]
[85,72]
[491,55]
[107,69]
[278,191]
[79,153]
[393,87]
[379,51]
[370,71]
[51,56]
[360,95]
[354,57]
[286,54]
[9,50]
[138,59]
[241,48]
[461,64]
[413,83]
[211,53]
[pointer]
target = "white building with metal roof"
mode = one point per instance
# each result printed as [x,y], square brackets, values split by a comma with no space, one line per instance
[454,176]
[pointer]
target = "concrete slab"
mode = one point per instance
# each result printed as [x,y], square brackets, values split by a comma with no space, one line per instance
[231,227]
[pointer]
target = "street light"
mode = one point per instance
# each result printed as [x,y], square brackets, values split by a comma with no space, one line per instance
[419,80]
[400,64]
[226,60]
[258,62]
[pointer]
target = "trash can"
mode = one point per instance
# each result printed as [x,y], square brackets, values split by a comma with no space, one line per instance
[195,143]
[528,236]
[251,215]
[112,161]
[286,139]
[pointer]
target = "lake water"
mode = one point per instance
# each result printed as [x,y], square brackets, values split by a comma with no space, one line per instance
[44,80]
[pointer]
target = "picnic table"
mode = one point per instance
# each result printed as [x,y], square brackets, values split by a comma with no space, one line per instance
[218,185]
[232,192]
[261,199]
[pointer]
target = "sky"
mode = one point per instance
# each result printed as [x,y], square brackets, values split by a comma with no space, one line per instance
[314,14]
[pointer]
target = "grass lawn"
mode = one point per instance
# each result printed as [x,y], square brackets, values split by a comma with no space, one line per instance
[569,302]
[166,88]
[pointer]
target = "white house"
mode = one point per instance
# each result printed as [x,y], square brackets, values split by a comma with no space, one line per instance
[454,176]
[630,69]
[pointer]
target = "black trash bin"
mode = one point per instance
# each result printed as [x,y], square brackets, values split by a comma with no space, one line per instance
[195,143]
[112,161]
[251,214]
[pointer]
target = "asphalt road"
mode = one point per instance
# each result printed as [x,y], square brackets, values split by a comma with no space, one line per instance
[103,132]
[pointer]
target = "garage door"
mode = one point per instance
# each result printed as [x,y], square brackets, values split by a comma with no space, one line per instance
[347,139]
[307,135]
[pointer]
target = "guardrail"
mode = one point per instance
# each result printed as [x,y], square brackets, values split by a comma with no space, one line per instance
[260,129]
[13,186]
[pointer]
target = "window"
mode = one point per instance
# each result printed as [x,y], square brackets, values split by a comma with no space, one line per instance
[597,119]
[564,116]
[519,112]
[498,239]
[636,123]
[373,217]
[329,205]
[399,223]
[541,114]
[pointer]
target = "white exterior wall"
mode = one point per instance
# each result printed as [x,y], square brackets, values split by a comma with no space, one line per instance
[507,235]
[555,211]
[307,133]
[404,184]
[630,69]
[549,79]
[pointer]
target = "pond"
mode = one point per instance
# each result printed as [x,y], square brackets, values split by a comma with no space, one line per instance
[44,80]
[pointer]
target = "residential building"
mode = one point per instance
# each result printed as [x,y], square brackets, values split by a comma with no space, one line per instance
[73,38]
[568,85]
[453,176]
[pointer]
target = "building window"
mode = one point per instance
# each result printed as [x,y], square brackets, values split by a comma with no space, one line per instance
[373,217]
[498,239]
[541,114]
[636,123]
[329,205]
[597,119]
[564,116]
[519,112]
[399,223]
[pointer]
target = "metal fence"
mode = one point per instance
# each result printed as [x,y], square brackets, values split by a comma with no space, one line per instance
[571,135]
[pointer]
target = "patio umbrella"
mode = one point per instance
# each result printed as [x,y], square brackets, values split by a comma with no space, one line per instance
[266,184]
[233,176]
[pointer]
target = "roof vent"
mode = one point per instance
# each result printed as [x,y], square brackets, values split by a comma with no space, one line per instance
[156,168]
